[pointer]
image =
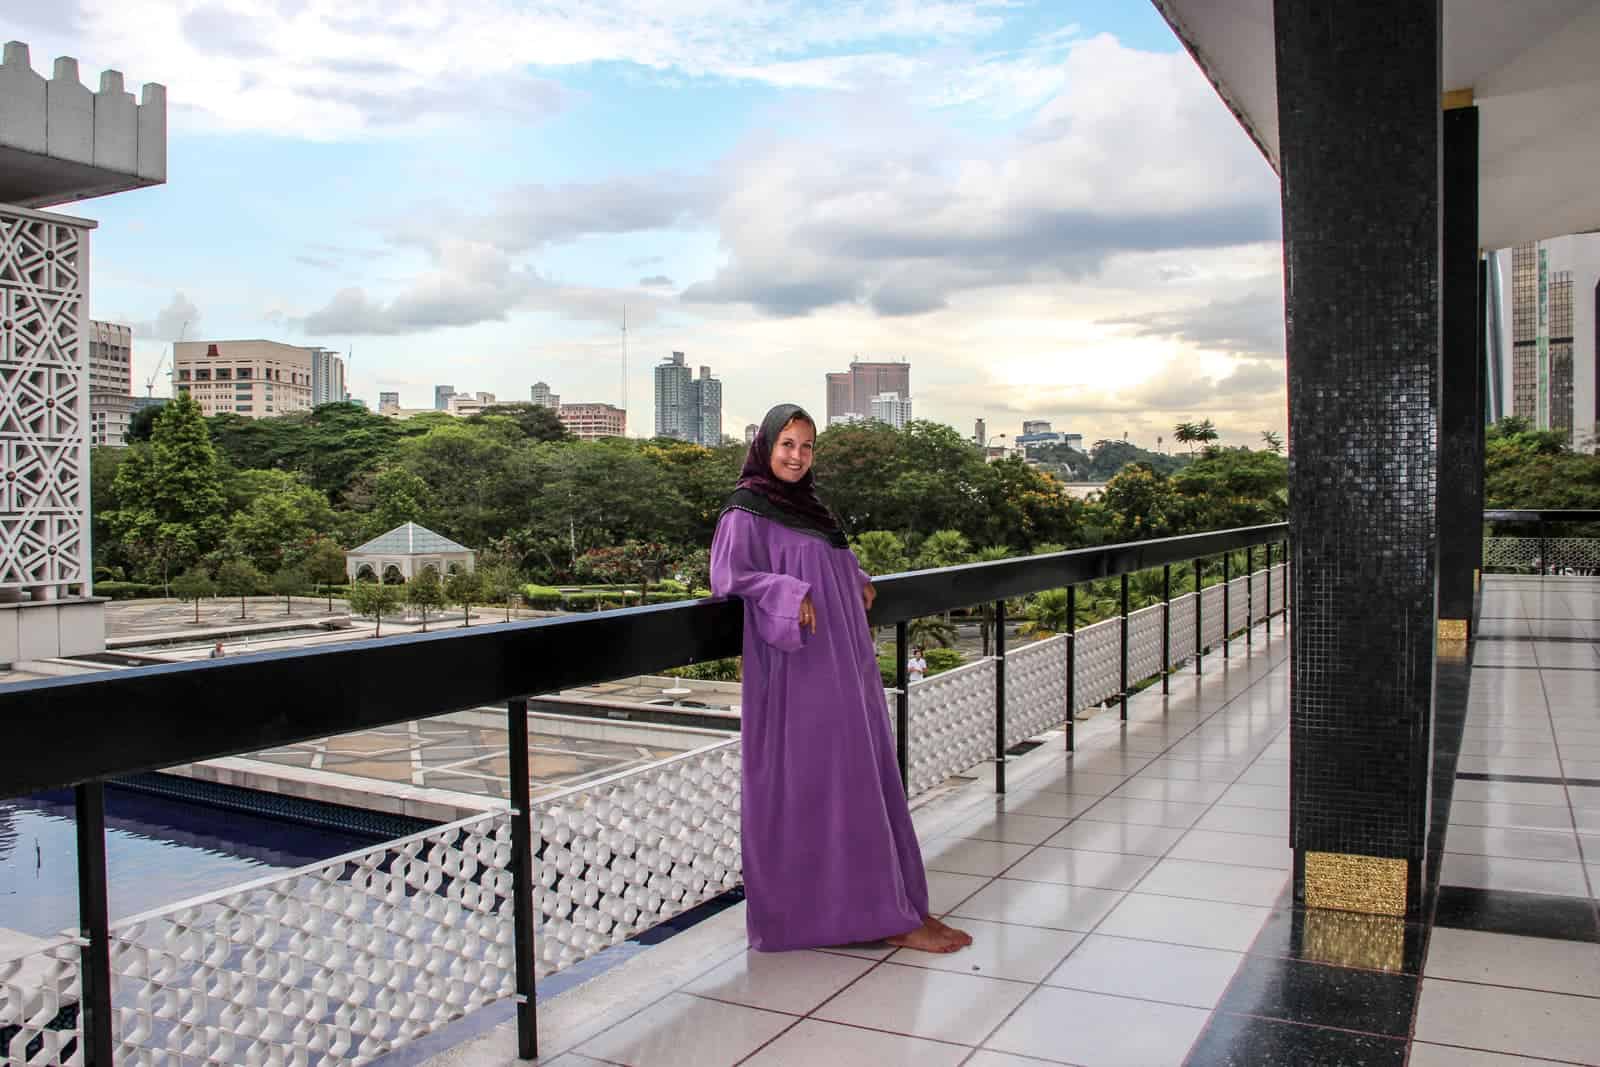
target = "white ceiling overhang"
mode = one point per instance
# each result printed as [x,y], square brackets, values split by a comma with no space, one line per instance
[1533,67]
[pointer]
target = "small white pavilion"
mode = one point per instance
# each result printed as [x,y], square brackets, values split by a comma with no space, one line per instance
[405,552]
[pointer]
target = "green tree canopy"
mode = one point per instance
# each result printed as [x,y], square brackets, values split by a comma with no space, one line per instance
[171,507]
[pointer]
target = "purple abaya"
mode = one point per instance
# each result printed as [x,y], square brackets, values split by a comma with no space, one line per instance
[830,855]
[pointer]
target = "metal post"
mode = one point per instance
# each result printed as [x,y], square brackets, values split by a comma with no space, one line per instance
[1123,688]
[1249,594]
[522,877]
[1166,628]
[1269,590]
[1227,607]
[93,924]
[902,703]
[1000,696]
[1544,551]
[1199,620]
[1072,666]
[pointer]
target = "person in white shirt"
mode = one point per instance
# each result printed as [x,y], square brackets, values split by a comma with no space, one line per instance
[916,666]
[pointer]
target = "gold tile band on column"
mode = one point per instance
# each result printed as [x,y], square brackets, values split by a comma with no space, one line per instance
[1375,885]
[1477,579]
[1345,939]
[1450,638]
[1452,629]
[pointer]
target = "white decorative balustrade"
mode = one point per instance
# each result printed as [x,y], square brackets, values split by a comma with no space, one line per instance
[344,960]
[951,724]
[39,995]
[1036,688]
[1581,555]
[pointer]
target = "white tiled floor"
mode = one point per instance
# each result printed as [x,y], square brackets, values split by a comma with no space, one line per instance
[1081,896]
[1118,890]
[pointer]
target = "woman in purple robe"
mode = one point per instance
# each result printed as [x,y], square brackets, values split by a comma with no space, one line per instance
[830,855]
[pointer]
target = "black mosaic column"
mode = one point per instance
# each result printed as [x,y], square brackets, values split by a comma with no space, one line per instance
[1460,514]
[1358,118]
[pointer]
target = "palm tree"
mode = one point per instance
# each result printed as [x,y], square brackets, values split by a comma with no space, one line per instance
[1205,433]
[1272,440]
[930,630]
[1186,433]
[992,554]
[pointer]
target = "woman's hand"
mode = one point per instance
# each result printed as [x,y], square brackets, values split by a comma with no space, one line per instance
[808,614]
[868,595]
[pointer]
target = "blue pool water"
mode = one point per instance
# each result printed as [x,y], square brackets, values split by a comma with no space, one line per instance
[158,851]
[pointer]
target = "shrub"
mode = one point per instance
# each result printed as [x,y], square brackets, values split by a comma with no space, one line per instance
[715,670]
[128,590]
[941,659]
[542,597]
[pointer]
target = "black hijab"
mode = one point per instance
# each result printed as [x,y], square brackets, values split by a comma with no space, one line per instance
[792,504]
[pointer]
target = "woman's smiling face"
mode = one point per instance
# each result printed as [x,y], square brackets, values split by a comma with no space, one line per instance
[792,452]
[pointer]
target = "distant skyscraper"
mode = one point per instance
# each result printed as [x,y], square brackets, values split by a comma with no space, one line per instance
[388,402]
[327,377]
[673,413]
[688,408]
[543,397]
[851,392]
[980,432]
[111,404]
[750,431]
[1555,334]
[441,397]
[839,402]
[705,404]
[890,408]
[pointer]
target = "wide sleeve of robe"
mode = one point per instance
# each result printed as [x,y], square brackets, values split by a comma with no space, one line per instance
[741,567]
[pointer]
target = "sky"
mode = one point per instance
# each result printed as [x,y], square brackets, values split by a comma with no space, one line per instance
[1041,204]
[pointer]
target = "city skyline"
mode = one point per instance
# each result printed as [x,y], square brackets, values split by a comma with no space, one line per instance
[887,185]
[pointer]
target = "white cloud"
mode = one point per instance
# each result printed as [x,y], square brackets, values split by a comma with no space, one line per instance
[332,68]
[1134,154]
[170,322]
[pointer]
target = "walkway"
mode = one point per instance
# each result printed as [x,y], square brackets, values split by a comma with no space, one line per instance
[1514,959]
[1131,906]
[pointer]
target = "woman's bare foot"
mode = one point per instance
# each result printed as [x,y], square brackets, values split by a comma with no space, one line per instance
[960,935]
[928,937]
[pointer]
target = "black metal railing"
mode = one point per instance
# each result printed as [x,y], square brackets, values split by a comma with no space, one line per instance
[1542,519]
[83,731]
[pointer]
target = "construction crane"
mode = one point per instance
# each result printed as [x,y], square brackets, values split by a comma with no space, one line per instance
[150,382]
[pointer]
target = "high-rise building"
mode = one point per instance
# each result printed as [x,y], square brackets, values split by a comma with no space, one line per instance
[1032,426]
[441,397]
[1553,327]
[327,377]
[890,408]
[851,392]
[750,431]
[705,404]
[543,397]
[980,432]
[688,408]
[674,415]
[253,378]
[388,403]
[111,403]
[839,400]
[589,422]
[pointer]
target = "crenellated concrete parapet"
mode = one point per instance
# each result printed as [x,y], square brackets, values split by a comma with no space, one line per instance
[60,142]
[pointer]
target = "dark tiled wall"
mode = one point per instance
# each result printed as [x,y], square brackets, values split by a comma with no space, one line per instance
[1358,111]
[1460,399]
